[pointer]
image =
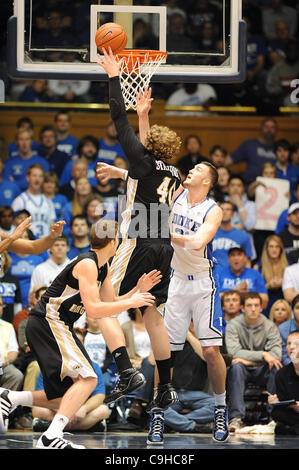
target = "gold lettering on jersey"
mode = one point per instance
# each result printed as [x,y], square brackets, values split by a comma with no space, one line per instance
[161,166]
[80,309]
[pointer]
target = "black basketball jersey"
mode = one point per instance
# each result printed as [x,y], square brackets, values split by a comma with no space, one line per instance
[151,182]
[62,299]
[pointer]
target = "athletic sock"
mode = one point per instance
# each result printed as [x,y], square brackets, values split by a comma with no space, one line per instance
[220,399]
[57,426]
[164,367]
[122,359]
[23,398]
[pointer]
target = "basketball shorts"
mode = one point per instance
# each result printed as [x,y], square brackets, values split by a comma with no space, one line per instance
[196,298]
[59,353]
[134,258]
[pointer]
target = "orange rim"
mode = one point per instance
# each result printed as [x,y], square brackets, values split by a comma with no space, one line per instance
[134,57]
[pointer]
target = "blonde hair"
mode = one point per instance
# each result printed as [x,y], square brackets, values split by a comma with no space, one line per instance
[77,208]
[5,261]
[162,142]
[268,269]
[287,306]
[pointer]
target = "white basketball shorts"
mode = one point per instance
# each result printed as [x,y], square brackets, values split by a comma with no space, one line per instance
[193,297]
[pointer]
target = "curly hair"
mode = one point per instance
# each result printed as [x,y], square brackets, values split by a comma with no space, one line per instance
[162,142]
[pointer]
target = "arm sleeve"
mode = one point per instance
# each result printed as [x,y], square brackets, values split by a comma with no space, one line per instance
[133,148]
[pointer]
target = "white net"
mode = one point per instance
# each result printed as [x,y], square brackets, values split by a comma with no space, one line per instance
[136,72]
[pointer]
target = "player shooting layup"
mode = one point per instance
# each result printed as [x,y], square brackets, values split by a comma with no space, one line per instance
[151,183]
[193,292]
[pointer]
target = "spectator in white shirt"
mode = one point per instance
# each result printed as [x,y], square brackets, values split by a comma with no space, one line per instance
[12,377]
[290,282]
[37,204]
[45,273]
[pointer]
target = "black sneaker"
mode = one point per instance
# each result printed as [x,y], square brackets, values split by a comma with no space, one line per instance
[156,432]
[6,407]
[40,425]
[129,381]
[221,430]
[56,443]
[166,396]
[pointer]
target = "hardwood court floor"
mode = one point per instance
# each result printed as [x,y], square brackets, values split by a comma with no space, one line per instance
[130,441]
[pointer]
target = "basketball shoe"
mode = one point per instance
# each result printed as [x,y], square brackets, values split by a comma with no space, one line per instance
[221,430]
[164,398]
[156,432]
[129,381]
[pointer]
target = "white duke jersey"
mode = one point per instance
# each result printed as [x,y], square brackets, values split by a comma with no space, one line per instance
[186,220]
[41,209]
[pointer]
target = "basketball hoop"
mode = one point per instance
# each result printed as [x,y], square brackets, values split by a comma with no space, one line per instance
[137,69]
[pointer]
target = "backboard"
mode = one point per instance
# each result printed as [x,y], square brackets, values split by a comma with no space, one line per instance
[205,41]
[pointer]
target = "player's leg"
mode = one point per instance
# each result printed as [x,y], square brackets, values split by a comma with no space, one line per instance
[125,272]
[176,325]
[67,374]
[207,320]
[130,378]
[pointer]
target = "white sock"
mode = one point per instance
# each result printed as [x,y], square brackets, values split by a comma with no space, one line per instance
[220,399]
[23,398]
[57,426]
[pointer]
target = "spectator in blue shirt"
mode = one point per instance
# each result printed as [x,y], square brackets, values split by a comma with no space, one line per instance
[256,152]
[287,327]
[36,92]
[50,190]
[27,124]
[109,147]
[9,190]
[15,169]
[65,141]
[236,276]
[79,232]
[283,222]
[48,149]
[256,53]
[87,151]
[227,236]
[285,169]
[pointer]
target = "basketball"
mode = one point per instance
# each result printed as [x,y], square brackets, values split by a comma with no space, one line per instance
[111,35]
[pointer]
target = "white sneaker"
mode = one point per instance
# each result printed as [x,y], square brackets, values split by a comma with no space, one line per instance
[6,407]
[56,443]
[235,424]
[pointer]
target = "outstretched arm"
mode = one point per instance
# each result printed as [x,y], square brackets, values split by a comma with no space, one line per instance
[8,241]
[144,102]
[96,306]
[36,247]
[131,145]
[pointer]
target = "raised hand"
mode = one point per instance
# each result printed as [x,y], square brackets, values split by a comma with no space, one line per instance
[109,63]
[106,172]
[143,101]
[57,229]
[147,281]
[20,229]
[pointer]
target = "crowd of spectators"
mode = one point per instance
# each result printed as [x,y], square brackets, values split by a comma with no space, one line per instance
[193,26]
[54,178]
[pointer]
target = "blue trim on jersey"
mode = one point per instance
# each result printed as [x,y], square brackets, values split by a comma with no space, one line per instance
[178,196]
[204,218]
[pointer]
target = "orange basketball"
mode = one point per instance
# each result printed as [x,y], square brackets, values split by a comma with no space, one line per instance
[113,35]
